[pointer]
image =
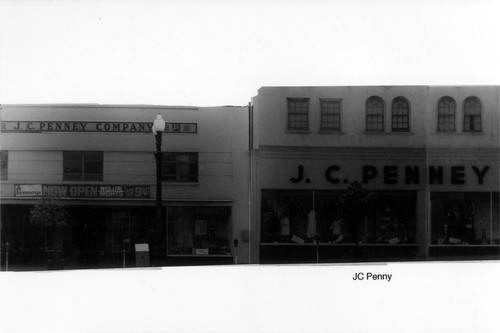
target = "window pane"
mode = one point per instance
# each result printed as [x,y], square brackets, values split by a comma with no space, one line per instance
[495,238]
[72,156]
[93,167]
[375,115]
[298,114]
[92,177]
[199,230]
[93,156]
[69,176]
[330,115]
[446,114]
[84,166]
[183,172]
[181,167]
[73,167]
[285,215]
[120,229]
[400,115]
[4,164]
[472,115]
[460,218]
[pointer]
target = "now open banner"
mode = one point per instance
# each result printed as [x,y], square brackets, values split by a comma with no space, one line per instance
[83,191]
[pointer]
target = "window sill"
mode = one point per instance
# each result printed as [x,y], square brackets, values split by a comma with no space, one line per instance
[325,132]
[400,133]
[297,132]
[473,133]
[376,133]
[458,133]
[389,133]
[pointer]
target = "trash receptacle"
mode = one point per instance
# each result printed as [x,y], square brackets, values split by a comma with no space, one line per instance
[142,255]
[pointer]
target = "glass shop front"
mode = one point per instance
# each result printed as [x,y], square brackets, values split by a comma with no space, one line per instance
[307,226]
[105,237]
[465,225]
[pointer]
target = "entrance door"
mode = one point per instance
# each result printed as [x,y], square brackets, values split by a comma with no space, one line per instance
[90,237]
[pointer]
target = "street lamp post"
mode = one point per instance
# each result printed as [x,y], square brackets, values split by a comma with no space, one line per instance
[158,128]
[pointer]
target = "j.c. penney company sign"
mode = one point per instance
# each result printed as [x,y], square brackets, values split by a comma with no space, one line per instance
[394,174]
[92,126]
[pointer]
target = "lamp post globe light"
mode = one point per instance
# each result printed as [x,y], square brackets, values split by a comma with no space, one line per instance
[158,128]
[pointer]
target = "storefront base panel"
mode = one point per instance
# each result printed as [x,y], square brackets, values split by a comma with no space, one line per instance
[464,253]
[197,261]
[300,254]
[51,261]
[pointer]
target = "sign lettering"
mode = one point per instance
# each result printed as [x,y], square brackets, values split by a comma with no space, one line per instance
[391,174]
[81,126]
[83,191]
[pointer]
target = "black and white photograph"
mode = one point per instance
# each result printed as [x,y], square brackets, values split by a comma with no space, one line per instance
[249,166]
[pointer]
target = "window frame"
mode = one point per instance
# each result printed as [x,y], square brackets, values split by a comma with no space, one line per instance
[290,114]
[178,176]
[367,129]
[322,115]
[442,116]
[4,164]
[84,176]
[472,120]
[407,128]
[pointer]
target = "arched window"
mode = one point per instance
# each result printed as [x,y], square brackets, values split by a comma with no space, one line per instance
[374,114]
[400,115]
[472,114]
[446,114]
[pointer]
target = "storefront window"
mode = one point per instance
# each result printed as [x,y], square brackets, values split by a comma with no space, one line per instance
[199,230]
[131,225]
[288,217]
[495,225]
[393,220]
[120,228]
[465,218]
[4,161]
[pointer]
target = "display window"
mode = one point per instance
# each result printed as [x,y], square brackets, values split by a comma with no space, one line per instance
[129,227]
[301,217]
[198,230]
[465,218]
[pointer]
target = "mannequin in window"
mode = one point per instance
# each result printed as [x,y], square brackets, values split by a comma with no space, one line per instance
[311,224]
[336,231]
[285,228]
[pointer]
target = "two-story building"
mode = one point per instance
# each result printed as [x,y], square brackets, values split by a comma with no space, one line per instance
[427,158]
[98,161]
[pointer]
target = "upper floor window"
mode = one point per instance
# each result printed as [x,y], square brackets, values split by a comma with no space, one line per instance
[375,114]
[446,114]
[400,115]
[298,114]
[180,167]
[472,115]
[330,114]
[4,162]
[82,165]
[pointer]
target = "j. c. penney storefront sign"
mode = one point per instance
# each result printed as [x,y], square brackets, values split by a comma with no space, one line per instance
[397,174]
[83,191]
[93,126]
